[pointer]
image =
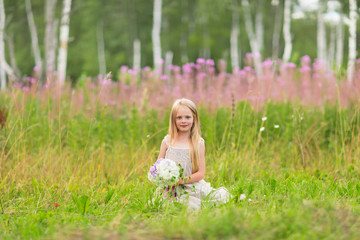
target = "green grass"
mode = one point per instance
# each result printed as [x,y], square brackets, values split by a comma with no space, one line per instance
[303,178]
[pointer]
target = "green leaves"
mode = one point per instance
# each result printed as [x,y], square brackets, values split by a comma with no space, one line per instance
[82,203]
[109,196]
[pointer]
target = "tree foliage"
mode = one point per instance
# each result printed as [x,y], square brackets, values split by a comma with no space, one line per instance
[202,23]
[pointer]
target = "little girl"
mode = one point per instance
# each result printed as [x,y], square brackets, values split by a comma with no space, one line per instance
[184,146]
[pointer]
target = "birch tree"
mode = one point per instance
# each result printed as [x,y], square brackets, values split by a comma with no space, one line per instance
[64,36]
[51,25]
[287,32]
[156,33]
[184,34]
[9,72]
[277,28]
[352,40]
[234,35]
[168,61]
[332,18]
[340,41]
[34,38]
[10,44]
[203,12]
[321,32]
[2,48]
[331,54]
[137,55]
[101,48]
[252,38]
[259,25]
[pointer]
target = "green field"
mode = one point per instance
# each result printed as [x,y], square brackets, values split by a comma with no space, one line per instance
[83,175]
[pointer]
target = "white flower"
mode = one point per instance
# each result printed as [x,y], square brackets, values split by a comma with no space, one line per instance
[164,172]
[168,169]
[249,200]
[276,126]
[264,118]
[242,197]
[262,129]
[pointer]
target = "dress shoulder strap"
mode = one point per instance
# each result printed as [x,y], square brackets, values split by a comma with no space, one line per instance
[201,140]
[167,140]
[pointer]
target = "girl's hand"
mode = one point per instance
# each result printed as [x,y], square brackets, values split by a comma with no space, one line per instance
[181,182]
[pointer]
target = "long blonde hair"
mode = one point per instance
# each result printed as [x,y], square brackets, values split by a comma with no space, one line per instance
[194,132]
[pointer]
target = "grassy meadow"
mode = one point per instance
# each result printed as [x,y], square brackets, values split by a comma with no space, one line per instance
[74,160]
[75,175]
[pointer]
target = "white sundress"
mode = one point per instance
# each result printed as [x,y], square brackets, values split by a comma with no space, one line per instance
[197,191]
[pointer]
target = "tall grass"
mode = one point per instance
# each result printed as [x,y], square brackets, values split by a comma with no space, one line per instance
[302,178]
[77,169]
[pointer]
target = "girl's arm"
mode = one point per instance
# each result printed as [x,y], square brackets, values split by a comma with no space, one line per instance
[163,149]
[200,174]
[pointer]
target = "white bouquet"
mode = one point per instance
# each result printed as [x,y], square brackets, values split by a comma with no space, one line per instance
[165,173]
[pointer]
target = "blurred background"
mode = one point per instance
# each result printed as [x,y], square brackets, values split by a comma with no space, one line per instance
[104,35]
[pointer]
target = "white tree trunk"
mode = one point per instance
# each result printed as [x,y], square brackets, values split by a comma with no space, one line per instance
[252,38]
[352,40]
[9,71]
[50,35]
[205,51]
[183,40]
[10,44]
[287,32]
[259,26]
[331,56]
[64,36]
[276,32]
[2,48]
[137,55]
[183,47]
[234,36]
[34,37]
[321,33]
[101,49]
[168,61]
[156,33]
[340,42]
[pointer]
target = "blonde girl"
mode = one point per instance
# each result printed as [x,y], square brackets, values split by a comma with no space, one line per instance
[184,146]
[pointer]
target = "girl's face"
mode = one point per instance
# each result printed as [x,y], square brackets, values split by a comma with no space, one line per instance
[184,119]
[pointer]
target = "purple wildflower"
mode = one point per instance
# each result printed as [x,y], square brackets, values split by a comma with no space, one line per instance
[305,69]
[32,80]
[132,72]
[290,65]
[267,63]
[306,58]
[123,68]
[210,62]
[242,73]
[200,61]
[202,74]
[248,69]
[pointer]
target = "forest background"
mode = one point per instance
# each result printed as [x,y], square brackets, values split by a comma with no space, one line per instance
[103,33]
